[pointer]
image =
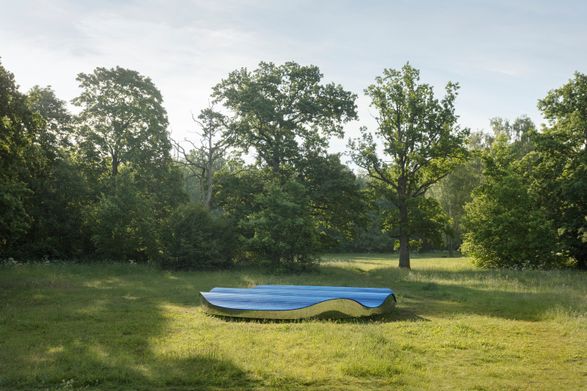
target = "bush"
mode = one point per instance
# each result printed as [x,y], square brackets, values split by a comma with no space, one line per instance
[123,223]
[283,231]
[197,239]
[506,229]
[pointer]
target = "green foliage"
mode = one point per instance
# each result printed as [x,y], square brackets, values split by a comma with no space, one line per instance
[506,226]
[283,111]
[14,219]
[533,203]
[335,198]
[285,114]
[207,155]
[379,224]
[59,196]
[275,219]
[18,130]
[55,121]
[454,191]
[559,165]
[41,192]
[415,245]
[237,187]
[122,120]
[282,230]
[122,132]
[368,237]
[123,223]
[195,238]
[103,182]
[369,231]
[427,221]
[420,138]
[59,189]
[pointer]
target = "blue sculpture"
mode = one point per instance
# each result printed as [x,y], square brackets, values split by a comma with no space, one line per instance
[298,301]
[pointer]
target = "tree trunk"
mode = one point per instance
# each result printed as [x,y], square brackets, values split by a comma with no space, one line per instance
[114,165]
[404,250]
[209,177]
[209,171]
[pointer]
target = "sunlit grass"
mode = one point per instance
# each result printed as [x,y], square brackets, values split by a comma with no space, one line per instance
[113,326]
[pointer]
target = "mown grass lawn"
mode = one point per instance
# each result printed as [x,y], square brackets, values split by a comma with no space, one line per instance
[117,326]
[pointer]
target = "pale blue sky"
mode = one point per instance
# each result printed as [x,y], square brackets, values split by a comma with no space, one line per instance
[505,54]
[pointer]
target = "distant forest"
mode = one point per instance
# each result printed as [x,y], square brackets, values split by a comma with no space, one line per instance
[109,183]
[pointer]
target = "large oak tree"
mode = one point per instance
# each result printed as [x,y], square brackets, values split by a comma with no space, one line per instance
[420,139]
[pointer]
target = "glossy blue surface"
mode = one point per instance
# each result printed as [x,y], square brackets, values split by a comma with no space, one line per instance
[325,288]
[291,297]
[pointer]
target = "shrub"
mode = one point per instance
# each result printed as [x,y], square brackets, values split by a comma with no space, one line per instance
[123,223]
[505,227]
[198,239]
[283,231]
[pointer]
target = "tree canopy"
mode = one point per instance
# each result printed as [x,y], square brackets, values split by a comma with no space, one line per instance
[283,111]
[122,119]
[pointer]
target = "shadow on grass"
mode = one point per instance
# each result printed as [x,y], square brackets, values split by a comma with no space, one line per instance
[64,330]
[445,293]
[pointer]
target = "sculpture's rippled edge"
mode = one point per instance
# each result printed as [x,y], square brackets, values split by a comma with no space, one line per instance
[332,308]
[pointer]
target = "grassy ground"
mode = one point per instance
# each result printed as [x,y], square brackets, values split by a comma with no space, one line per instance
[134,327]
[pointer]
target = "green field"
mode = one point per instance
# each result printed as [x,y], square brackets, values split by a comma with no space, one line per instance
[119,326]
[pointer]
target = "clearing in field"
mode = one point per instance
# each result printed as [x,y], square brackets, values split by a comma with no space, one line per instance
[134,327]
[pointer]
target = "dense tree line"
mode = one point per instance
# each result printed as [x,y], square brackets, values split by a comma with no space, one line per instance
[530,209]
[257,184]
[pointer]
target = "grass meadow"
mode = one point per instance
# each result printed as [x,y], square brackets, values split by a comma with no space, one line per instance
[122,326]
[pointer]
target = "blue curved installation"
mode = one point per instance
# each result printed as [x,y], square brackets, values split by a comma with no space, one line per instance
[298,301]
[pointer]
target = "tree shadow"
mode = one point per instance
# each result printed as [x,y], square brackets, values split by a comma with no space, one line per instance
[68,331]
[445,293]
